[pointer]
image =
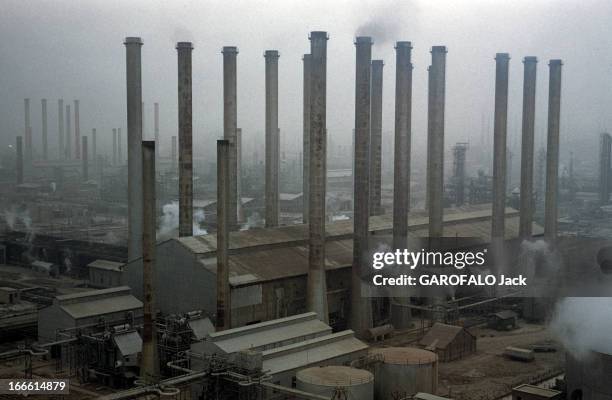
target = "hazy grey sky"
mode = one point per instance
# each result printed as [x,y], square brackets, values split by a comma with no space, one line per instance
[73,50]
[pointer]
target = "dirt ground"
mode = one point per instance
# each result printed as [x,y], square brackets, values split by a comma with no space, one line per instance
[487,374]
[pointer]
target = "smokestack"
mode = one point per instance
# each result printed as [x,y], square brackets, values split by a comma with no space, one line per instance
[552,150]
[85,160]
[133,46]
[435,140]
[499,146]
[68,141]
[114,146]
[120,146]
[184,50]
[317,171]
[60,128]
[44,129]
[28,131]
[94,147]
[361,312]
[272,139]
[156,126]
[459,172]
[173,155]
[19,159]
[305,138]
[223,320]
[376,138]
[605,146]
[527,147]
[148,367]
[239,173]
[403,132]
[77,131]
[230,118]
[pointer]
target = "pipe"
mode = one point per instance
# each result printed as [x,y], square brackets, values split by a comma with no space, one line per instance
[133,47]
[376,138]
[28,131]
[185,133]
[85,160]
[230,121]
[44,129]
[68,141]
[306,137]
[19,159]
[149,349]
[77,131]
[317,286]
[527,147]
[60,128]
[272,139]
[361,313]
[435,142]
[223,318]
[499,146]
[552,150]
[156,127]
[401,173]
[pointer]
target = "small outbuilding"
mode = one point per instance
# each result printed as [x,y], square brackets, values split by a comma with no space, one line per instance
[105,274]
[449,342]
[503,321]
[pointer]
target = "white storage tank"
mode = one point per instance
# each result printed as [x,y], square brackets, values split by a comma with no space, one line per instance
[358,384]
[404,371]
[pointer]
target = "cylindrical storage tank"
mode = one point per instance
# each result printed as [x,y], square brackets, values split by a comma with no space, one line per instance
[403,371]
[358,384]
[588,377]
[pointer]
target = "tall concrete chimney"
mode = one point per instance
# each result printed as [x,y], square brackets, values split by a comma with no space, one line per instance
[156,127]
[28,132]
[317,172]
[60,129]
[305,137]
[401,315]
[239,174]
[527,147]
[272,139]
[184,50]
[223,318]
[85,160]
[230,124]
[605,146]
[552,150]
[459,152]
[435,140]
[149,364]
[94,147]
[44,129]
[173,155]
[133,47]
[77,131]
[499,146]
[120,146]
[19,160]
[114,146]
[376,138]
[68,137]
[361,312]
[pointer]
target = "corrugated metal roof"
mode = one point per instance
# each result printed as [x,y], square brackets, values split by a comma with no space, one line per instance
[538,391]
[107,265]
[94,293]
[201,327]
[312,352]
[102,306]
[267,333]
[440,336]
[128,343]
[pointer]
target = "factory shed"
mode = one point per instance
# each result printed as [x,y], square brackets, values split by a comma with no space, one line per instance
[263,336]
[105,274]
[503,321]
[531,392]
[335,349]
[449,342]
[86,309]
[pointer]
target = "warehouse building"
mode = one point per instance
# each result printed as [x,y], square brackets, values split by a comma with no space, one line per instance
[449,342]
